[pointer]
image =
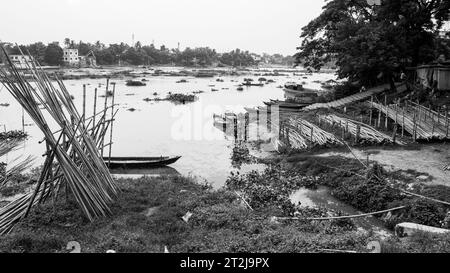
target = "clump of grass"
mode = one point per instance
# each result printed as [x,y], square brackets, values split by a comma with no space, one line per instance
[181,98]
[240,155]
[418,243]
[16,134]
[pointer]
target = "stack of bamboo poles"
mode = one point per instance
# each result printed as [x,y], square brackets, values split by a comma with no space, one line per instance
[417,120]
[357,129]
[299,134]
[73,149]
[313,133]
[287,136]
[16,168]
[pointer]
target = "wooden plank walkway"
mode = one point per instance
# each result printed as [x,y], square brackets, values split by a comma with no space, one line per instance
[417,120]
[354,98]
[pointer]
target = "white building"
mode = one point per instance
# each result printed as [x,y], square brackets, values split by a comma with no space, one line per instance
[70,56]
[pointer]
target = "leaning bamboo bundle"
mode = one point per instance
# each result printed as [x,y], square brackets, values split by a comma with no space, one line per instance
[16,169]
[75,151]
[359,130]
[287,135]
[8,146]
[295,139]
[14,211]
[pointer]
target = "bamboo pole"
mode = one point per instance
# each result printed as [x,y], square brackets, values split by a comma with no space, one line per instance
[84,102]
[235,127]
[358,133]
[379,118]
[387,113]
[446,122]
[403,121]
[257,124]
[105,107]
[415,127]
[95,108]
[246,124]
[112,123]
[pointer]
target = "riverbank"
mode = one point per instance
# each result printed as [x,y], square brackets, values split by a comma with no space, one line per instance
[148,217]
[179,214]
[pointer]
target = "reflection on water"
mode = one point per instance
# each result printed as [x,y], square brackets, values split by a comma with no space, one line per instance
[164,128]
[169,171]
[323,198]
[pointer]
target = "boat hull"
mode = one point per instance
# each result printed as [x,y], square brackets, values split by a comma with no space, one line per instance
[139,162]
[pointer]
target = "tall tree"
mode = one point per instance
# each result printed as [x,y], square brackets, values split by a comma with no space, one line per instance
[372,42]
[54,54]
[37,50]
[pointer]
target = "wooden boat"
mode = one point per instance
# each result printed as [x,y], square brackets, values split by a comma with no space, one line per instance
[252,84]
[135,83]
[139,162]
[306,92]
[283,104]
[264,110]
[204,75]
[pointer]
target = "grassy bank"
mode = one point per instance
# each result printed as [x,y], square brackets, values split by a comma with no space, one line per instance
[375,189]
[148,214]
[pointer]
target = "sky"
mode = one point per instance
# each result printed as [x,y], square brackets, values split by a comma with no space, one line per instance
[260,26]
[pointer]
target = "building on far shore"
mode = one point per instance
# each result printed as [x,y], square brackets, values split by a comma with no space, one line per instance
[70,57]
[20,61]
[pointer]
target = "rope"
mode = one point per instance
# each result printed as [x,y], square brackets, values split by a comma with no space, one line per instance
[341,217]
[425,197]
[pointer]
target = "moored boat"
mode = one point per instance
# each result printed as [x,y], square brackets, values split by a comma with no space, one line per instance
[135,83]
[139,162]
[287,105]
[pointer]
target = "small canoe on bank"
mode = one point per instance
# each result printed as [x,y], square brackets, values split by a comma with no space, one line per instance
[139,162]
[288,105]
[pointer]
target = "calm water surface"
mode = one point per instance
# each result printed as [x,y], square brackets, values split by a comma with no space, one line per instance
[165,128]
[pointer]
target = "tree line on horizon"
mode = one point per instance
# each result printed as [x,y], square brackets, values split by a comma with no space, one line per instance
[113,54]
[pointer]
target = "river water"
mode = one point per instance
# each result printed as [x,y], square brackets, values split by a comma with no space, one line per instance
[166,128]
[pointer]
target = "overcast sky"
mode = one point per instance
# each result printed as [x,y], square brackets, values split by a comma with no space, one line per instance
[271,26]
